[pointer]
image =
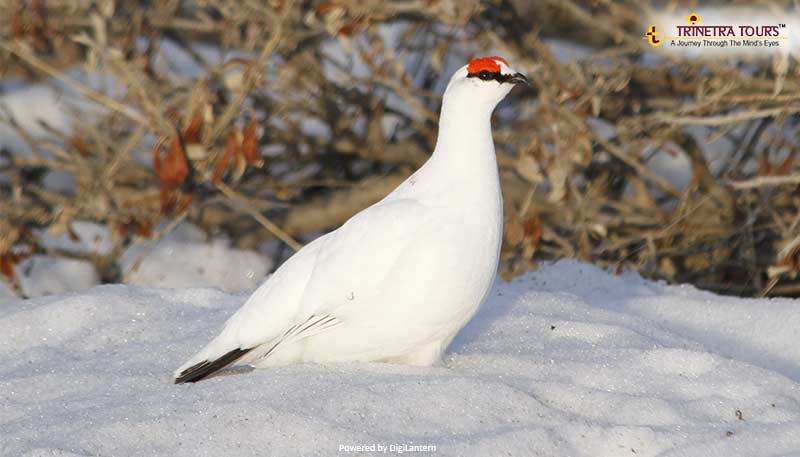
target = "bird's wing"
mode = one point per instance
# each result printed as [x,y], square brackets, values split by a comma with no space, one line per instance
[356,260]
[317,279]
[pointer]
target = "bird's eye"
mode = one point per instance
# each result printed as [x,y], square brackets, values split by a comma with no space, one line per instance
[484,75]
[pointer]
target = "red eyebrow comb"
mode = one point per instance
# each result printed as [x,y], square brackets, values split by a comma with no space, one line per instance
[485,63]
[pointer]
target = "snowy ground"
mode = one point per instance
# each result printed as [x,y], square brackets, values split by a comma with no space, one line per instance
[567,361]
[185,257]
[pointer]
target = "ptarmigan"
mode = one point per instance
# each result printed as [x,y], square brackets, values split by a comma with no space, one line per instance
[398,280]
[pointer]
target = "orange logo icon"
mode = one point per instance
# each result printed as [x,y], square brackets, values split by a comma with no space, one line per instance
[693,18]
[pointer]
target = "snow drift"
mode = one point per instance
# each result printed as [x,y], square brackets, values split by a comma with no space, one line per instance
[567,361]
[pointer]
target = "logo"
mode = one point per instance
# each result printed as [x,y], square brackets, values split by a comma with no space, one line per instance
[693,18]
[730,30]
[652,36]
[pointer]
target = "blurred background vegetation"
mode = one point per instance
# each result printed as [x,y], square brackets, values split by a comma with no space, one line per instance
[268,122]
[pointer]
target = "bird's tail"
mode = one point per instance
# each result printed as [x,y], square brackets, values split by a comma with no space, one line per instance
[206,368]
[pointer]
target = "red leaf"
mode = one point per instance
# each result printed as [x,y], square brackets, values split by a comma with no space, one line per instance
[144,228]
[184,201]
[230,146]
[79,144]
[250,142]
[533,230]
[324,7]
[175,169]
[167,200]
[157,156]
[7,265]
[192,132]
[172,171]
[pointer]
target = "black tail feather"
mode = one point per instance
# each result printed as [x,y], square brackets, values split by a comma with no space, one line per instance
[206,368]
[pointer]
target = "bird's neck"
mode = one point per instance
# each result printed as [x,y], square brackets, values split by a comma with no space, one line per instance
[465,148]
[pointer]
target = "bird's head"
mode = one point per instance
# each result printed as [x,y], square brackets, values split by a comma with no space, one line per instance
[485,80]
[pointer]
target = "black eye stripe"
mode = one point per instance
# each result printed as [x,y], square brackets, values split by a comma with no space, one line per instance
[486,75]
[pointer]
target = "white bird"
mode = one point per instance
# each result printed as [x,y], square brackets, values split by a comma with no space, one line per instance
[398,280]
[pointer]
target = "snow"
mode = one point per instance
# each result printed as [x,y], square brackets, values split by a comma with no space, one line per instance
[41,275]
[193,264]
[566,361]
[90,237]
[6,293]
[185,258]
[30,105]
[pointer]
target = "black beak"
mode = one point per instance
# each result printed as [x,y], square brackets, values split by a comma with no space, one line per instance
[518,78]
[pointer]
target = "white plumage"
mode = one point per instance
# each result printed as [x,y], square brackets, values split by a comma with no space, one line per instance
[398,280]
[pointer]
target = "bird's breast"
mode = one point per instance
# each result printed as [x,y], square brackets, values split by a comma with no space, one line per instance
[468,251]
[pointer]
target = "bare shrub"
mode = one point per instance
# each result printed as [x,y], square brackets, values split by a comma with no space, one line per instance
[269,119]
